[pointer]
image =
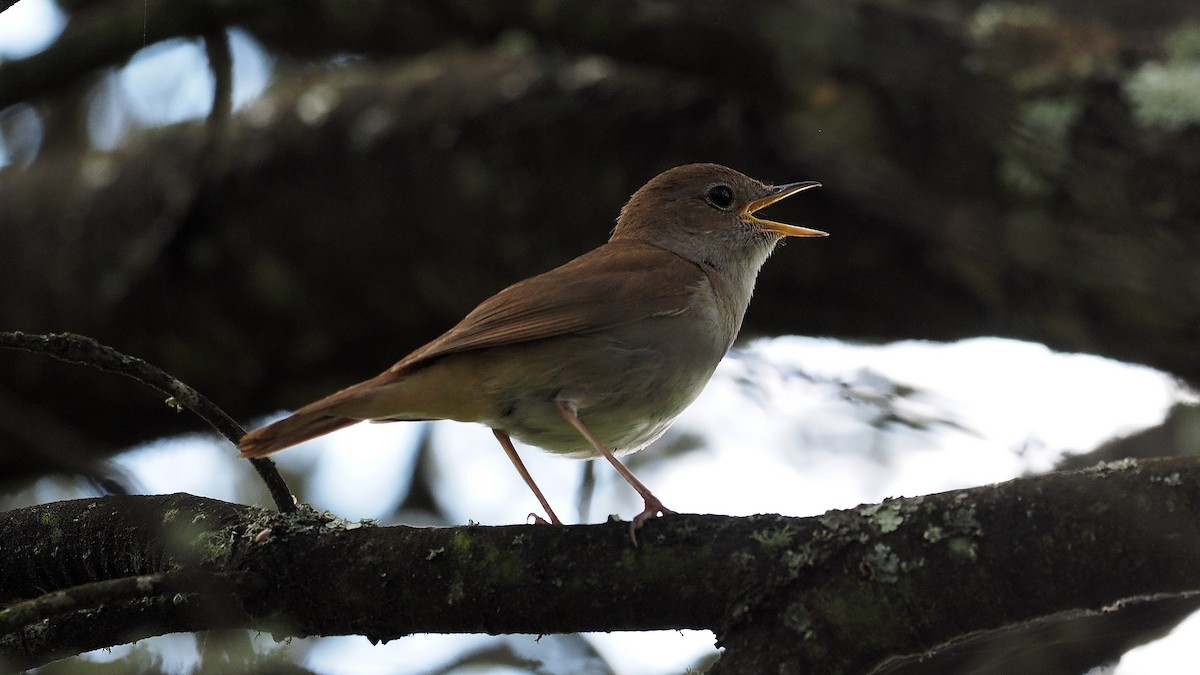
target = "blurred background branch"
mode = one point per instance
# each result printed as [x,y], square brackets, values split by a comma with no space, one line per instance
[991,170]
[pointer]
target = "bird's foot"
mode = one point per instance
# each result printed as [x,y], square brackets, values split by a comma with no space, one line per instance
[654,507]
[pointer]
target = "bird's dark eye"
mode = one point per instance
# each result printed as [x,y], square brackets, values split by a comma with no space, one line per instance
[720,196]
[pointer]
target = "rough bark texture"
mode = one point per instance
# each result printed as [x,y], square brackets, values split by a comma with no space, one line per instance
[847,592]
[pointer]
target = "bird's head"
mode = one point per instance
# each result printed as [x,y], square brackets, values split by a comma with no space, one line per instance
[707,213]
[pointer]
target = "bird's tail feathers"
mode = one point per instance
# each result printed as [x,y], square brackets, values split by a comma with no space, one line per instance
[289,431]
[313,420]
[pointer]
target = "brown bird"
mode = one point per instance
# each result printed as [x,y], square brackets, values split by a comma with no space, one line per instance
[597,357]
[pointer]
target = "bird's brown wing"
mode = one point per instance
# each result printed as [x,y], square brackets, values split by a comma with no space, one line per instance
[624,282]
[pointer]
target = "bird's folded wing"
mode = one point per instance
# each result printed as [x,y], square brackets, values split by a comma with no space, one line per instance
[621,282]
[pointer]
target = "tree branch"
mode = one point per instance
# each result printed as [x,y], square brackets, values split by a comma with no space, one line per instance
[104,613]
[843,592]
[83,350]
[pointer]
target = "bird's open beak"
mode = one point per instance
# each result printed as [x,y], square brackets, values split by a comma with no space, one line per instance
[780,192]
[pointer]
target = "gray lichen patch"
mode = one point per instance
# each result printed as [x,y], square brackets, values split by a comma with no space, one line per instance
[885,517]
[882,564]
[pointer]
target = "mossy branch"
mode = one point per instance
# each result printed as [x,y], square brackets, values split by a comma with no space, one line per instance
[872,588]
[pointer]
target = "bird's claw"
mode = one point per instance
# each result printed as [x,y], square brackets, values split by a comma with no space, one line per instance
[654,507]
[538,520]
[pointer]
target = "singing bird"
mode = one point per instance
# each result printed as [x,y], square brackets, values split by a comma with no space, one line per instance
[595,358]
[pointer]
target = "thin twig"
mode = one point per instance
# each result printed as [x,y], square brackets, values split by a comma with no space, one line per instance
[124,589]
[81,349]
[104,613]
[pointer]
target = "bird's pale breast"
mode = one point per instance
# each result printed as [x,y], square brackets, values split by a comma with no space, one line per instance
[637,379]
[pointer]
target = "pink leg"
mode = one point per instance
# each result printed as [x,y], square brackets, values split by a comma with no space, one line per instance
[653,506]
[516,460]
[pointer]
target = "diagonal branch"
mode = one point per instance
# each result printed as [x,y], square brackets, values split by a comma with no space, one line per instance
[83,350]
